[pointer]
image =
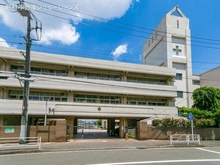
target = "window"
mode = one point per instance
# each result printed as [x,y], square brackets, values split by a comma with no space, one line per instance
[97,99]
[178,40]
[179,76]
[43,71]
[195,82]
[85,98]
[146,80]
[146,101]
[179,94]
[38,96]
[97,76]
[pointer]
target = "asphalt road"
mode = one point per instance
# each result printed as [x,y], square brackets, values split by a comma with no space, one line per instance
[182,156]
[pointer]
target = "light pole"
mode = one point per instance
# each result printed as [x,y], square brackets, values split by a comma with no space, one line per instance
[45,116]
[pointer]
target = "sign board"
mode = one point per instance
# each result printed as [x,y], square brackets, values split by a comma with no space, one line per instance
[9,130]
[190,116]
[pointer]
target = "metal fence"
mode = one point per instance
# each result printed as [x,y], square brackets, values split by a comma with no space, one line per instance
[13,143]
[186,138]
[131,132]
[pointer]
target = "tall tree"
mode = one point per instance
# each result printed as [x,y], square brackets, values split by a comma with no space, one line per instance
[206,98]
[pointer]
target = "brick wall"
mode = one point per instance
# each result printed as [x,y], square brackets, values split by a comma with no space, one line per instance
[56,133]
[145,132]
[15,134]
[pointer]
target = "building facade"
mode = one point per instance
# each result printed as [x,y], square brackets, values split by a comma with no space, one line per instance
[169,46]
[74,88]
[79,88]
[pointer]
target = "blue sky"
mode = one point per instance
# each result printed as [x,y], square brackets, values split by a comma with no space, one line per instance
[92,37]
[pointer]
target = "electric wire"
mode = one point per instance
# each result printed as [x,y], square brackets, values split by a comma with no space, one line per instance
[198,68]
[129,34]
[123,22]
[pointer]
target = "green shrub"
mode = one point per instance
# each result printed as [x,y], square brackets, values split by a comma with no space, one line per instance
[170,122]
[204,123]
[156,122]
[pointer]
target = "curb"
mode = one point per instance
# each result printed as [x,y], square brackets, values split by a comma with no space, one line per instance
[8,152]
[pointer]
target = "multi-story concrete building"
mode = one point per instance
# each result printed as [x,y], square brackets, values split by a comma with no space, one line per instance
[74,88]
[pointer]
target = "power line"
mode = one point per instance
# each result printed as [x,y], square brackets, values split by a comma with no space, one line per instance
[117,26]
[15,35]
[80,55]
[134,35]
[13,42]
[123,22]
[120,26]
[98,50]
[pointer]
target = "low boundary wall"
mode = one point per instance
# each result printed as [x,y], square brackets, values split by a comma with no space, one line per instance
[55,133]
[145,132]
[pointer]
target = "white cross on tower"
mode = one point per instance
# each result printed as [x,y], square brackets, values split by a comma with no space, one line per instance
[177,50]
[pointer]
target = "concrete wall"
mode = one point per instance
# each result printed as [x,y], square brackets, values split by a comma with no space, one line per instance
[176,27]
[210,78]
[154,49]
[145,132]
[56,133]
[92,85]
[13,107]
[15,134]
[181,84]
[71,61]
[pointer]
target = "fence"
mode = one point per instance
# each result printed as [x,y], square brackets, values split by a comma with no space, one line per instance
[188,138]
[13,143]
[131,132]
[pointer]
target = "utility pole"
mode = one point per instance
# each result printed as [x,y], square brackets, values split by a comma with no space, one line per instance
[24,116]
[25,12]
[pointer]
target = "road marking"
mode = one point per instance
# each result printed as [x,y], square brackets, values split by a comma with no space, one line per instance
[161,161]
[202,149]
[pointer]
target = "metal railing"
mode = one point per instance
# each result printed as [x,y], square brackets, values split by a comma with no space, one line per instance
[188,138]
[13,142]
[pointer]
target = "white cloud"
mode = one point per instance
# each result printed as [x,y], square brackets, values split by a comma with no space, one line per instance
[121,49]
[3,43]
[66,34]
[61,30]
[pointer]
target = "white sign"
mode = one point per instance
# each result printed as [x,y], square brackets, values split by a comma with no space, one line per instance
[9,130]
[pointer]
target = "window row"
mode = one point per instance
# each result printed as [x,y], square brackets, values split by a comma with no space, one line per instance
[44,71]
[89,75]
[195,82]
[146,101]
[97,99]
[83,98]
[97,76]
[39,96]
[146,80]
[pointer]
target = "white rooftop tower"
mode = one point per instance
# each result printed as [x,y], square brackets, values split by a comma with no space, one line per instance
[170,46]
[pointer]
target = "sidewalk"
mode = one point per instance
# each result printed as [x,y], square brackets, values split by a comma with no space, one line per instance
[106,144]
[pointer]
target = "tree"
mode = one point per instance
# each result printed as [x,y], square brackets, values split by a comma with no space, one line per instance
[99,122]
[206,98]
